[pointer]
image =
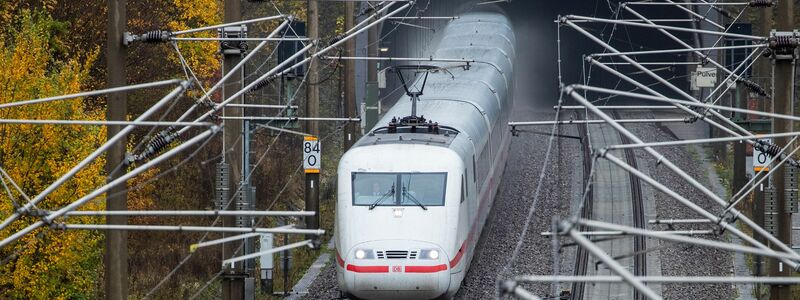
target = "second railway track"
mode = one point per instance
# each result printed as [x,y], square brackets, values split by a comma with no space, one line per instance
[637,214]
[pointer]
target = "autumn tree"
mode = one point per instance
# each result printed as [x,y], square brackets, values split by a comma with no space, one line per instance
[46,264]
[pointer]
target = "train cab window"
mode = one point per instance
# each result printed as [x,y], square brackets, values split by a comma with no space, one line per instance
[398,189]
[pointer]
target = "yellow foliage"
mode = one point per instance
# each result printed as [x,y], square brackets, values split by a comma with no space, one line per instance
[202,57]
[46,264]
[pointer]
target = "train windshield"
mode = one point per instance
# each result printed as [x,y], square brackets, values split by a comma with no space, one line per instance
[399,189]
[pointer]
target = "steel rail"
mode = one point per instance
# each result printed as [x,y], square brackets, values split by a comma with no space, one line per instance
[701,141]
[654,20]
[194,247]
[96,153]
[617,107]
[244,22]
[613,265]
[424,18]
[663,63]
[103,123]
[586,209]
[571,91]
[637,210]
[618,232]
[664,27]
[261,106]
[690,3]
[679,221]
[99,191]
[189,213]
[662,279]
[94,93]
[174,228]
[267,252]
[463,60]
[254,118]
[789,258]
[283,130]
[255,39]
[694,241]
[686,103]
[568,122]
[676,50]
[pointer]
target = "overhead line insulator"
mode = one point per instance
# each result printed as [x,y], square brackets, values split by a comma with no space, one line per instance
[761,3]
[154,36]
[154,146]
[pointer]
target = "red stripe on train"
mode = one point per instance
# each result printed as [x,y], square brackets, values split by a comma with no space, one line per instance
[368,269]
[426,269]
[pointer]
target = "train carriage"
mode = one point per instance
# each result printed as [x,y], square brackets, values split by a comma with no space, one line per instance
[413,197]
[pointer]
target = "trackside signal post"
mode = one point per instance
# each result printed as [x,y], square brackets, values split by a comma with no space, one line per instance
[312,155]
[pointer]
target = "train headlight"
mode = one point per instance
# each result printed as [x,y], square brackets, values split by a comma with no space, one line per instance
[364,254]
[429,254]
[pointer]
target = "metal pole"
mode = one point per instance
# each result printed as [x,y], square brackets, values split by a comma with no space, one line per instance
[116,250]
[349,78]
[312,110]
[783,103]
[233,275]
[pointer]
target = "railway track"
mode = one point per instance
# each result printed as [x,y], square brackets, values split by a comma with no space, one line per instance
[582,256]
[637,205]
[639,241]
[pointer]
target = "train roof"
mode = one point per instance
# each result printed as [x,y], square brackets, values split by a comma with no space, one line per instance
[465,99]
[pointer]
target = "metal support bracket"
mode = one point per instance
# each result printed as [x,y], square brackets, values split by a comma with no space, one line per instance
[233,47]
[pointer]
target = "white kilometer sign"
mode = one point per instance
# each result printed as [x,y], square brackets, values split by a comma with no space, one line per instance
[760,159]
[311,154]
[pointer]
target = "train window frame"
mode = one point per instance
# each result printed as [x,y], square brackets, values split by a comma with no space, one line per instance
[398,201]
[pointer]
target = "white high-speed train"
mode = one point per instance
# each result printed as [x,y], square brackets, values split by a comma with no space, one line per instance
[413,198]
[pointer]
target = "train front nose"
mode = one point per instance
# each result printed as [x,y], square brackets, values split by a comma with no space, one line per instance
[396,270]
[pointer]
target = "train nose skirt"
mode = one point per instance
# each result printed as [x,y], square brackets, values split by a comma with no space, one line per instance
[397,281]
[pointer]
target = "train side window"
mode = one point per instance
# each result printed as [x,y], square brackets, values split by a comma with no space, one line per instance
[474,170]
[463,188]
[466,188]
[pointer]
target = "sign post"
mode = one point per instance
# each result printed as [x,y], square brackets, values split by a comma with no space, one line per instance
[312,160]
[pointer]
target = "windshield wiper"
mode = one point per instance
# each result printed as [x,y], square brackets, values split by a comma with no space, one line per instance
[383,197]
[411,197]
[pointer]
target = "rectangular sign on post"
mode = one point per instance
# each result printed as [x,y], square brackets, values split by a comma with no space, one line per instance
[311,154]
[760,159]
[705,77]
